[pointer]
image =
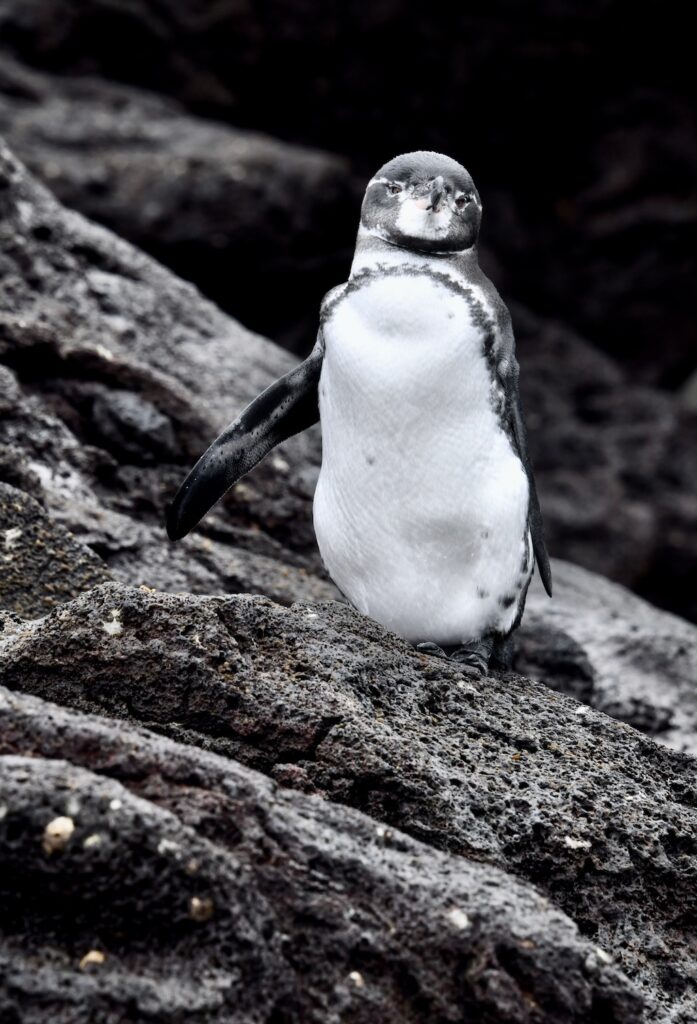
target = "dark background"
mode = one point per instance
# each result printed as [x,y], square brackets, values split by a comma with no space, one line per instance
[575,119]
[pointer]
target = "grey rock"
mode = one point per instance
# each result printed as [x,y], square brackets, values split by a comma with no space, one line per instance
[607,647]
[264,227]
[115,376]
[41,564]
[504,771]
[211,894]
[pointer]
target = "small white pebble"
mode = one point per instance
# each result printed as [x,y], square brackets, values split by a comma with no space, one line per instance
[602,955]
[280,464]
[582,709]
[94,840]
[458,919]
[115,804]
[201,909]
[357,978]
[3,811]
[312,615]
[113,625]
[577,844]
[57,834]
[95,956]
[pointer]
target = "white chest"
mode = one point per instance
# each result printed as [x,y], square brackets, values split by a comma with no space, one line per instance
[421,501]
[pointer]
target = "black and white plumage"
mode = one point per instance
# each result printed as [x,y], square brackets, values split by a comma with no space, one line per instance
[426,513]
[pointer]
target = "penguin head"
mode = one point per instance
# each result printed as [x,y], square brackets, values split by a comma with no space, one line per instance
[423,201]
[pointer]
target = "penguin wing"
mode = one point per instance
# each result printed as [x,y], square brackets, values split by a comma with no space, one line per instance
[509,373]
[288,406]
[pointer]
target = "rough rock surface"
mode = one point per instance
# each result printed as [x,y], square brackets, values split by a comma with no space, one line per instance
[503,770]
[114,376]
[608,648]
[41,564]
[213,895]
[263,227]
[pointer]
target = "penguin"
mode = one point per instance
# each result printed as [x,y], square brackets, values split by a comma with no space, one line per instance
[425,511]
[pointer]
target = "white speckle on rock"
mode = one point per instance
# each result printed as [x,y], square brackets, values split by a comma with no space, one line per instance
[312,615]
[357,978]
[72,806]
[604,957]
[92,841]
[113,626]
[115,804]
[577,844]
[458,919]
[57,834]
[167,846]
[3,811]
[280,464]
[582,709]
[11,537]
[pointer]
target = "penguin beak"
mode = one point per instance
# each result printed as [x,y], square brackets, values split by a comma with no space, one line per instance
[437,191]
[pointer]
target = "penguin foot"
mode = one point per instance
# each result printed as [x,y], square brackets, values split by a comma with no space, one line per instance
[469,656]
[476,654]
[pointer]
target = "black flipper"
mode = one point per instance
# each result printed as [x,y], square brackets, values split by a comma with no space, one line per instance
[509,379]
[286,407]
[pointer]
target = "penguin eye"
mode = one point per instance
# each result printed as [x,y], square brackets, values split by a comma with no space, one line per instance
[463,200]
[394,189]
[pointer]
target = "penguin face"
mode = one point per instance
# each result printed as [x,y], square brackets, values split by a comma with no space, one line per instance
[423,201]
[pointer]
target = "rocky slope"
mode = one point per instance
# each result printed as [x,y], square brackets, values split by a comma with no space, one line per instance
[526,858]
[146,880]
[265,228]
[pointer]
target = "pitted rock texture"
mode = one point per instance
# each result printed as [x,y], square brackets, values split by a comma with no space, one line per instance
[205,892]
[263,227]
[41,564]
[114,377]
[504,770]
[606,647]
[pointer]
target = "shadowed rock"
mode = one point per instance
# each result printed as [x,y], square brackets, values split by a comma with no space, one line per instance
[504,770]
[263,227]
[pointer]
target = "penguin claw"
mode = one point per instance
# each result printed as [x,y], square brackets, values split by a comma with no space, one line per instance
[433,649]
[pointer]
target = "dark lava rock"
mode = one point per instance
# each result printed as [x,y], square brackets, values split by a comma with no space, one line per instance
[116,376]
[145,880]
[41,564]
[504,770]
[607,647]
[614,462]
[263,227]
[576,120]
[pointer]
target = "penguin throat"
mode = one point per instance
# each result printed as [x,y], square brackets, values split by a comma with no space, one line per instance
[365,234]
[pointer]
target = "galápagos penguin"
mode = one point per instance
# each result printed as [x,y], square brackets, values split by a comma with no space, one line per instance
[425,511]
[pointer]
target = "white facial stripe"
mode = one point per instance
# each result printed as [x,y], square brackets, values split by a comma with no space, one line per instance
[416,222]
[384,181]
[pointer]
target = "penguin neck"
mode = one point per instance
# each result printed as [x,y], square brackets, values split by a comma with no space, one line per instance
[373,252]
